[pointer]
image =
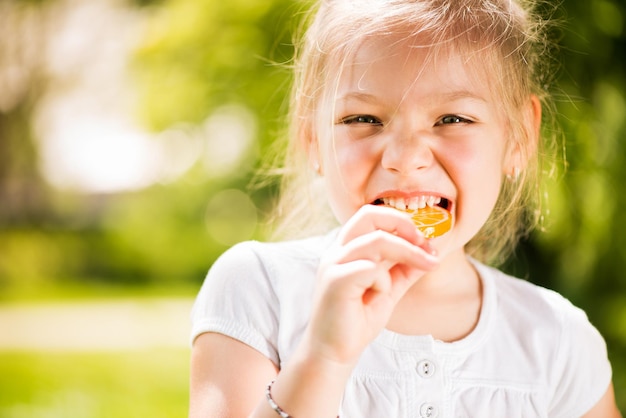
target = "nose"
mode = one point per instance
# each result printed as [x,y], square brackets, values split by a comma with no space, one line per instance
[404,154]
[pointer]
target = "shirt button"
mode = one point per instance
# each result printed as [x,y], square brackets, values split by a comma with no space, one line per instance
[426,368]
[428,410]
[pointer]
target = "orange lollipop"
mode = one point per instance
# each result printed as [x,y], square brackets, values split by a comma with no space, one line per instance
[432,221]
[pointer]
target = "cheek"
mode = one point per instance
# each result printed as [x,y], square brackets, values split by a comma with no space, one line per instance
[477,174]
[347,171]
[477,160]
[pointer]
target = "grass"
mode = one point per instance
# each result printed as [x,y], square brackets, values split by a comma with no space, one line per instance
[102,384]
[81,291]
[152,383]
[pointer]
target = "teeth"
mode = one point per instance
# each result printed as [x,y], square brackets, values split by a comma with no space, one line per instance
[413,203]
[432,201]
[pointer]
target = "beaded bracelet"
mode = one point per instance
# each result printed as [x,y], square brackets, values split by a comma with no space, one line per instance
[274,405]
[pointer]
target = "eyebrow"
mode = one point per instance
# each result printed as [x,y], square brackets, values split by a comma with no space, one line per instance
[447,96]
[461,94]
[355,95]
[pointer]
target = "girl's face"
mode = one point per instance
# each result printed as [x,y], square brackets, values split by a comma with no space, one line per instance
[408,129]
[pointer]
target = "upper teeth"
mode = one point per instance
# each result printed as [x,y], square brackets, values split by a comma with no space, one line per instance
[413,203]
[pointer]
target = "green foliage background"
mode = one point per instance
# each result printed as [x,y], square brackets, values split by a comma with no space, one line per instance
[197,56]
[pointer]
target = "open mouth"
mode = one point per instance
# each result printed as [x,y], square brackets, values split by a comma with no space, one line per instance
[414,203]
[430,214]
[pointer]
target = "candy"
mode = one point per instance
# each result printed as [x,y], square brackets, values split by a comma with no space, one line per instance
[432,221]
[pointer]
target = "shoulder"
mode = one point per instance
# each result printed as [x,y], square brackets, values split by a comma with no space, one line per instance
[251,266]
[257,292]
[518,298]
[301,250]
[536,310]
[556,336]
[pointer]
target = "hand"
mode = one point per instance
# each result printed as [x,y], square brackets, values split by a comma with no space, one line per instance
[378,256]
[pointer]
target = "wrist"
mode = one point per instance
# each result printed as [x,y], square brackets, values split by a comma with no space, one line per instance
[308,386]
[336,357]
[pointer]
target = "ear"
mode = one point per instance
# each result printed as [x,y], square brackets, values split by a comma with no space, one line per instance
[535,103]
[521,150]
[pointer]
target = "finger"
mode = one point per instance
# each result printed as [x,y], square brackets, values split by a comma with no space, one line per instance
[402,278]
[386,249]
[354,278]
[391,285]
[372,218]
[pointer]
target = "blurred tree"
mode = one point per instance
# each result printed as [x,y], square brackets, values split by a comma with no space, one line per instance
[582,253]
[23,193]
[200,55]
[201,65]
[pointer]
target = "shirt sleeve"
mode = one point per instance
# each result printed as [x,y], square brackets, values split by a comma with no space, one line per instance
[583,372]
[237,299]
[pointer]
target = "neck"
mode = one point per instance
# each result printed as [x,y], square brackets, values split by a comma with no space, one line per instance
[444,303]
[455,274]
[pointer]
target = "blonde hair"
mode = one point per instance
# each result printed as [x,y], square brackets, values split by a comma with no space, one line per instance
[510,40]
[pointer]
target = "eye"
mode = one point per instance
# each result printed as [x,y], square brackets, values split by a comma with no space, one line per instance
[361,119]
[451,120]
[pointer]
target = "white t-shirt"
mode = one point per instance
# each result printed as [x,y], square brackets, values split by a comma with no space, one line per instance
[532,353]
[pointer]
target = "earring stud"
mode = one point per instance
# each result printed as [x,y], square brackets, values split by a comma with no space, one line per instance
[513,177]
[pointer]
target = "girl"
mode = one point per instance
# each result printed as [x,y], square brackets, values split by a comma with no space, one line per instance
[400,105]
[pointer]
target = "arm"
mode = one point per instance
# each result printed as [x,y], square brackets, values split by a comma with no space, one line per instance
[378,256]
[606,407]
[228,377]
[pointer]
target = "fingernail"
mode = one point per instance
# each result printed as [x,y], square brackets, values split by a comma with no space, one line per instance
[429,248]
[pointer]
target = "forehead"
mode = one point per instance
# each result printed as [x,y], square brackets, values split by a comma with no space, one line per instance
[400,66]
